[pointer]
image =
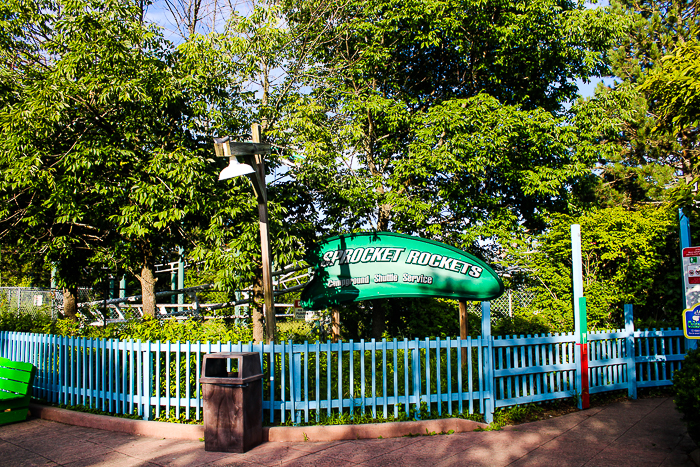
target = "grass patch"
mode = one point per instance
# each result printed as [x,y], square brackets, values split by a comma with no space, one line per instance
[361,417]
[85,409]
[135,416]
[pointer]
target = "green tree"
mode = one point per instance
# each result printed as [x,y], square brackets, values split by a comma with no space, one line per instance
[268,61]
[444,119]
[106,135]
[628,257]
[674,87]
[21,269]
[654,154]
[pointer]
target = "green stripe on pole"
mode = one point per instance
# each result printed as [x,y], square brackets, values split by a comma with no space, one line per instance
[583,321]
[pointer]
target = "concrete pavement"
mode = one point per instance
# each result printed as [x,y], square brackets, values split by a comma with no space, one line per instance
[646,432]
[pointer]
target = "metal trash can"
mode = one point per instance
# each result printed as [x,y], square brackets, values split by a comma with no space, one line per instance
[232,401]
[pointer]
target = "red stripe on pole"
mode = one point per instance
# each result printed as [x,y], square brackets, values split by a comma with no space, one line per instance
[585,396]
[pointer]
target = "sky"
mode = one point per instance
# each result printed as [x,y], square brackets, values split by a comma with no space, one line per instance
[588,89]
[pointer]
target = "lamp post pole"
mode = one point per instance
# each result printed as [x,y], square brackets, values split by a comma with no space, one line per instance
[261,193]
[255,171]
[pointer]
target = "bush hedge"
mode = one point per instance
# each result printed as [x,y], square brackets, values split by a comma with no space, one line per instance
[686,385]
[155,329]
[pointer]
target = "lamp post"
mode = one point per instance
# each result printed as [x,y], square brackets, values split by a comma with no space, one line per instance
[254,169]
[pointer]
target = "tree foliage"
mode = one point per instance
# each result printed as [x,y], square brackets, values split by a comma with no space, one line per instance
[674,86]
[104,131]
[629,257]
[444,118]
[655,154]
[453,120]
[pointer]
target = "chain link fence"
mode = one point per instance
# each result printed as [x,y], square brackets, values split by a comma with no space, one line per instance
[31,301]
[504,305]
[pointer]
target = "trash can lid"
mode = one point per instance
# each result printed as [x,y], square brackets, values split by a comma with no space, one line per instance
[215,368]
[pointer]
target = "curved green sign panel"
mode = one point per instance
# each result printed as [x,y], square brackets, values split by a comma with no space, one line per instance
[366,266]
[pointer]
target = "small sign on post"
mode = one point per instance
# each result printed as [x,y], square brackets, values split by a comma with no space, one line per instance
[299,313]
[303,315]
[691,275]
[691,322]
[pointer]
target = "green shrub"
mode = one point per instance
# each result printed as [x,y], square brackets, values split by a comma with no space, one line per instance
[686,385]
[39,322]
[523,322]
[156,329]
[299,331]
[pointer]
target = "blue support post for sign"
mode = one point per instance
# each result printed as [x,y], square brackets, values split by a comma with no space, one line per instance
[684,224]
[685,243]
[489,396]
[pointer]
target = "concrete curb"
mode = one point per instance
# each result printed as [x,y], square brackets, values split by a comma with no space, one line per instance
[371,430]
[274,434]
[123,425]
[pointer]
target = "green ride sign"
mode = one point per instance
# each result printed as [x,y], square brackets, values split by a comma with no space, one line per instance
[366,266]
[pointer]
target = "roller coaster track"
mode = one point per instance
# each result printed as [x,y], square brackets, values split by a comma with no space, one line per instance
[285,281]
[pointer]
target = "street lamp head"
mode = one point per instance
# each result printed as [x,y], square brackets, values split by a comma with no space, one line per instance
[235,169]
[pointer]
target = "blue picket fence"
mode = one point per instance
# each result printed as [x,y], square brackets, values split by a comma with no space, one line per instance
[388,377]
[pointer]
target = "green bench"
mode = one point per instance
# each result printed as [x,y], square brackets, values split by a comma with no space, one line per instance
[16,380]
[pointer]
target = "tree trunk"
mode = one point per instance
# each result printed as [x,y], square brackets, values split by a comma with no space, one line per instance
[463,327]
[335,324]
[148,290]
[70,303]
[194,17]
[378,318]
[378,315]
[257,308]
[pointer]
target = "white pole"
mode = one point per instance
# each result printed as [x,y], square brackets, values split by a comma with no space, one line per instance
[577,272]
[510,303]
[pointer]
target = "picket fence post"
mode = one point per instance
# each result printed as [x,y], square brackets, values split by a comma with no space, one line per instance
[415,366]
[630,353]
[487,341]
[296,387]
[147,371]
